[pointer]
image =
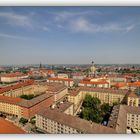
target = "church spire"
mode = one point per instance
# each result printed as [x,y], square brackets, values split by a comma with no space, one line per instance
[40,66]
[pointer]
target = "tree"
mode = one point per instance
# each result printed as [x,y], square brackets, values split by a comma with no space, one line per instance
[105,108]
[27,97]
[91,109]
[91,102]
[23,120]
[94,111]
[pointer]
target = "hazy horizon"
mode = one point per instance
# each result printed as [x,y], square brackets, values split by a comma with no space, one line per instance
[69,35]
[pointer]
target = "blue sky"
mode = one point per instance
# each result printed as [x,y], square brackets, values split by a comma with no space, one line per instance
[69,35]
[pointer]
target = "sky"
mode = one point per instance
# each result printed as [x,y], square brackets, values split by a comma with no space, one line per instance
[69,35]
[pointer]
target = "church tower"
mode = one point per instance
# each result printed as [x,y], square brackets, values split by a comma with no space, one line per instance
[40,66]
[92,70]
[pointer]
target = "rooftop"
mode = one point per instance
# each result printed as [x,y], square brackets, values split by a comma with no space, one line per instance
[118,119]
[11,100]
[34,101]
[77,123]
[52,89]
[16,74]
[63,106]
[16,86]
[102,90]
[9,128]
[132,95]
[60,79]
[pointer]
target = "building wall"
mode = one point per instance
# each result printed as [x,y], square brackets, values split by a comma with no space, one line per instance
[10,109]
[61,94]
[53,127]
[26,90]
[133,121]
[12,79]
[76,100]
[39,88]
[9,79]
[94,85]
[133,101]
[104,97]
[20,91]
[30,112]
[62,75]
[66,83]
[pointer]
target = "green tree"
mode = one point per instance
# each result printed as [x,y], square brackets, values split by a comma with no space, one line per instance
[23,120]
[105,108]
[91,102]
[27,97]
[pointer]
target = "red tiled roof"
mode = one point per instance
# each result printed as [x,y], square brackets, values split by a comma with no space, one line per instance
[132,95]
[12,100]
[13,87]
[118,85]
[9,128]
[60,79]
[16,74]
[135,84]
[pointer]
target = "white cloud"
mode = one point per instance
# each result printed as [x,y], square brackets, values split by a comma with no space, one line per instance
[83,25]
[64,15]
[16,19]
[13,36]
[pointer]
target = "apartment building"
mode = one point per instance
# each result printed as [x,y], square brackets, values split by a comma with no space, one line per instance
[62,75]
[17,89]
[13,77]
[66,81]
[65,107]
[133,100]
[47,122]
[28,108]
[100,84]
[105,95]
[26,87]
[124,118]
[10,105]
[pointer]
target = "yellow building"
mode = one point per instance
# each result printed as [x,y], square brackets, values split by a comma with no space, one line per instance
[9,106]
[23,88]
[105,95]
[132,100]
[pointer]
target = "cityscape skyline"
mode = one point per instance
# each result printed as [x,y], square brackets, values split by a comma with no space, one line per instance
[69,35]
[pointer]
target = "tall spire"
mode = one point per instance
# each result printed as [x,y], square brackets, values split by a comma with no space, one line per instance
[40,66]
[92,62]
